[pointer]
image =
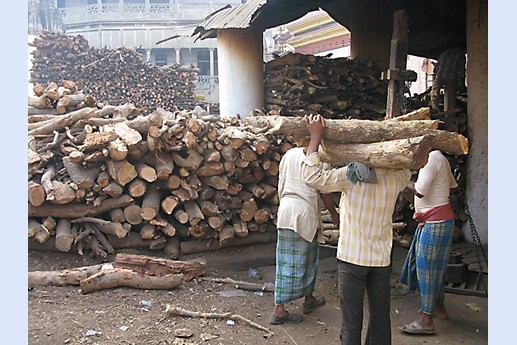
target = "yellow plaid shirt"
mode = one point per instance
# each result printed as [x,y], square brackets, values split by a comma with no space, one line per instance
[365,210]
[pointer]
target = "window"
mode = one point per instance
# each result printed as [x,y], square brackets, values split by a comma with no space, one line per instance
[203,62]
[160,59]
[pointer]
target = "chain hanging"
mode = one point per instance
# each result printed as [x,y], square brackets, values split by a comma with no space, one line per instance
[475,236]
[476,239]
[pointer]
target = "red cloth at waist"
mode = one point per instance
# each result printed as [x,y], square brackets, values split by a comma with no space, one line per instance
[436,214]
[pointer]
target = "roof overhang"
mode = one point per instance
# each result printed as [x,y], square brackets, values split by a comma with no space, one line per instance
[433,25]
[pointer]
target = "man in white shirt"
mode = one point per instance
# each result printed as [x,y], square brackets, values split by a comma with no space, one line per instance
[299,234]
[428,255]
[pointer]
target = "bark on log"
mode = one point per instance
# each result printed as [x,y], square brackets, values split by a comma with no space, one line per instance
[349,131]
[423,113]
[64,237]
[105,226]
[172,248]
[150,203]
[116,277]
[64,121]
[106,245]
[194,212]
[79,210]
[226,234]
[72,276]
[411,153]
[150,265]
[132,240]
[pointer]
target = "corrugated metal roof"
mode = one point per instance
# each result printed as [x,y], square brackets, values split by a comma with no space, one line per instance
[274,13]
[237,17]
[433,25]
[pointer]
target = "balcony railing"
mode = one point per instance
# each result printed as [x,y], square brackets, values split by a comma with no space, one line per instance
[138,12]
[207,80]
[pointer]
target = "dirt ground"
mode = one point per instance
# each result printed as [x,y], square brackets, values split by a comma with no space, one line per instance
[63,315]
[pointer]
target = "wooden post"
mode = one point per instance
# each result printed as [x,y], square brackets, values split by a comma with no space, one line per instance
[398,60]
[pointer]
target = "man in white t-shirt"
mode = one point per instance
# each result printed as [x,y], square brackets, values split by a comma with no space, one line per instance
[299,229]
[428,255]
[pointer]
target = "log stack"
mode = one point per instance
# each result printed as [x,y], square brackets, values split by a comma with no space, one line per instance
[297,84]
[105,177]
[112,76]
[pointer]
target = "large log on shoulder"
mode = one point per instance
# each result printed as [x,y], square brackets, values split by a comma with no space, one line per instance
[410,153]
[366,131]
[350,131]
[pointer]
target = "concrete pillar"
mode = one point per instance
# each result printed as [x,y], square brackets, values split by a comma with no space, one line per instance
[178,56]
[371,30]
[211,72]
[477,107]
[241,84]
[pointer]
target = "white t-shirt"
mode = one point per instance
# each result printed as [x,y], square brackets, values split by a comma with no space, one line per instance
[300,205]
[434,182]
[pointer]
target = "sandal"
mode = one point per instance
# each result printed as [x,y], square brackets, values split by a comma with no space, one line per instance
[288,318]
[415,328]
[316,303]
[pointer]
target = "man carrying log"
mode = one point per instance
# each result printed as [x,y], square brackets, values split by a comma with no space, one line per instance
[368,198]
[299,234]
[428,255]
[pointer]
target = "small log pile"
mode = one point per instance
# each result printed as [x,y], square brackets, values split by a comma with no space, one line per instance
[104,177]
[341,88]
[112,76]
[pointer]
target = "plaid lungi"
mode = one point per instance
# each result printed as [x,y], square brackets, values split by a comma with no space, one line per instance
[426,262]
[296,266]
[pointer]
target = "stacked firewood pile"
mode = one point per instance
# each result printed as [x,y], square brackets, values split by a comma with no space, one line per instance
[297,84]
[103,177]
[112,76]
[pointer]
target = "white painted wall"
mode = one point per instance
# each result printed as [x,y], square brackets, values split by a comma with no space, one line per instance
[241,84]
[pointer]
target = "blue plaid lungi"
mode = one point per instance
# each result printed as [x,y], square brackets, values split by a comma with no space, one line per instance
[296,266]
[426,262]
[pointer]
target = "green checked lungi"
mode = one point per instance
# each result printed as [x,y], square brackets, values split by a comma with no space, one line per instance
[426,262]
[296,266]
